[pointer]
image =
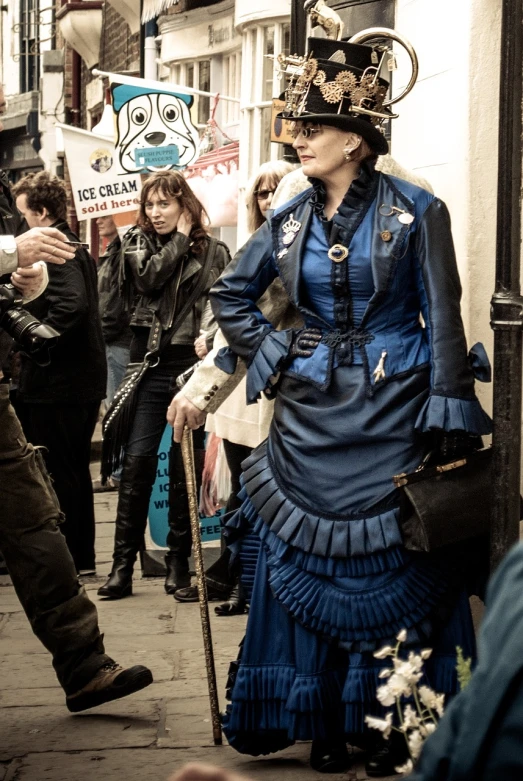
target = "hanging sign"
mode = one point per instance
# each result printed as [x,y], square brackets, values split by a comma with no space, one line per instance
[96,184]
[154,127]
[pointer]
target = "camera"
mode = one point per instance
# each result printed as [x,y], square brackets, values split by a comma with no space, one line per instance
[35,338]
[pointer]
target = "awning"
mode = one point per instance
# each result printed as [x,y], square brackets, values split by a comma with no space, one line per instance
[153,8]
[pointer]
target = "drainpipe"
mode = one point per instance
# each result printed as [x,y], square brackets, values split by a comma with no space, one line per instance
[507,303]
[150,53]
[76,107]
[298,28]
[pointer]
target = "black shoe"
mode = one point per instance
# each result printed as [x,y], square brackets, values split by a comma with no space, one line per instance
[120,582]
[236,605]
[190,594]
[389,754]
[329,757]
[110,683]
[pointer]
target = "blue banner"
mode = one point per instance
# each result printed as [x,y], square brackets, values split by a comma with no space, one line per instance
[159,505]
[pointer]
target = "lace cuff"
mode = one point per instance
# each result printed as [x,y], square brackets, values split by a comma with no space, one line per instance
[266,362]
[452,414]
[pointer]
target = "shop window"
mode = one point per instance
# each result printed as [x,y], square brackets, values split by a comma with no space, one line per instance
[197,75]
[231,87]
[261,45]
[29,45]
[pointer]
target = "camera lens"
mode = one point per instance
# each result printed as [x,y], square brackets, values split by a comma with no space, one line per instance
[27,331]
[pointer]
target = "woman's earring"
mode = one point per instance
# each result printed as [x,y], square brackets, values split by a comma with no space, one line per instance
[347,153]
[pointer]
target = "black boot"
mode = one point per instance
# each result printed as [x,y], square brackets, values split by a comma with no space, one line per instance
[236,605]
[387,756]
[177,572]
[329,756]
[179,537]
[138,474]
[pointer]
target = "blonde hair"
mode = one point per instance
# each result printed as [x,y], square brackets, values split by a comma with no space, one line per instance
[267,177]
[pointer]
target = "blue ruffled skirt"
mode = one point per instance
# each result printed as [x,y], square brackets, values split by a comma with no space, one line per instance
[328,580]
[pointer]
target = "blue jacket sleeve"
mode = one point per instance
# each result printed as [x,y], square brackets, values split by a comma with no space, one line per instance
[248,333]
[452,404]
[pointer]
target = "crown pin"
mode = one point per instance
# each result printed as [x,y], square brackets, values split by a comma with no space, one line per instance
[290,229]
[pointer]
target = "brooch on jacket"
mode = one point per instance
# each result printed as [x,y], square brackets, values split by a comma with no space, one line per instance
[290,229]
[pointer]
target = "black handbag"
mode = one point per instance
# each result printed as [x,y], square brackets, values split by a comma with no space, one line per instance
[448,503]
[118,419]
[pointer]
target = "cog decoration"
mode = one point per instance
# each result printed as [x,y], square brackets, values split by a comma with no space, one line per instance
[332,92]
[365,92]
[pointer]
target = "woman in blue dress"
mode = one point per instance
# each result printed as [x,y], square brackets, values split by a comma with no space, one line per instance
[362,393]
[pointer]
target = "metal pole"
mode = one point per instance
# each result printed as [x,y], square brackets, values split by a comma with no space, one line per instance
[190,478]
[506,304]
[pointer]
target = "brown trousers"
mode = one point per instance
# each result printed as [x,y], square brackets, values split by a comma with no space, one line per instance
[39,563]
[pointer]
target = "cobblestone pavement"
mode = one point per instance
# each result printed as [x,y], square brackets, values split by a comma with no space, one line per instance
[145,736]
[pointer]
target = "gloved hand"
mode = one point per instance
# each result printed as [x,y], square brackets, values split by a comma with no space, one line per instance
[304,342]
[456,444]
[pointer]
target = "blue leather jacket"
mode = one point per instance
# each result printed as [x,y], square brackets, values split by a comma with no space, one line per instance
[405,231]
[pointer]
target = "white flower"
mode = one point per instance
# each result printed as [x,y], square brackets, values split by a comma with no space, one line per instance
[415,740]
[402,636]
[385,673]
[411,720]
[385,695]
[383,725]
[384,652]
[426,653]
[432,700]
[427,728]
[410,670]
[396,686]
[405,769]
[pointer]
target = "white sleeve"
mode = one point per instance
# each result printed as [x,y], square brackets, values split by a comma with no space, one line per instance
[8,255]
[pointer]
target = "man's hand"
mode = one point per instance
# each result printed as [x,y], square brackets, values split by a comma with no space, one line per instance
[47,244]
[31,281]
[182,412]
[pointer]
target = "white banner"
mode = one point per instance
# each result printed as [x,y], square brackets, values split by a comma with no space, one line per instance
[98,188]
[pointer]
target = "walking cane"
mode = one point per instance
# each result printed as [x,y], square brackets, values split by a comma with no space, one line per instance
[190,479]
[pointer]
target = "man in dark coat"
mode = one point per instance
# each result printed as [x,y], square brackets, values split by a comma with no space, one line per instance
[59,403]
[39,563]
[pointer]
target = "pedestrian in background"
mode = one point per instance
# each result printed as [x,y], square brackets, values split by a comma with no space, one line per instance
[58,404]
[115,323]
[163,258]
[240,427]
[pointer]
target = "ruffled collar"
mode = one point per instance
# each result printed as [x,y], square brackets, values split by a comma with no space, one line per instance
[362,189]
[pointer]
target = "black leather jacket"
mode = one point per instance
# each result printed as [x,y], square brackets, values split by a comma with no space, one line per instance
[158,277]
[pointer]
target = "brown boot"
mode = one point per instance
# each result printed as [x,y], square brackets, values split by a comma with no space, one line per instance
[110,683]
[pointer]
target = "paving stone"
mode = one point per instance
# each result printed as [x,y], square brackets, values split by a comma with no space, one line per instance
[116,724]
[158,764]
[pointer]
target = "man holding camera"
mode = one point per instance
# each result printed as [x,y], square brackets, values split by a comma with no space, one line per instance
[35,551]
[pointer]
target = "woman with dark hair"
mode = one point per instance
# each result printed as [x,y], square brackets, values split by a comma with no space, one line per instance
[362,392]
[163,258]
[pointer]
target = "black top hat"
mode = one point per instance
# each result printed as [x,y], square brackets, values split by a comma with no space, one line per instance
[338,84]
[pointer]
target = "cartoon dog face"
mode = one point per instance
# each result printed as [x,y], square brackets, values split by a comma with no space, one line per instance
[154,120]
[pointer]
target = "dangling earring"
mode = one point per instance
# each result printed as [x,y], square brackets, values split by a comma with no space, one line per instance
[347,153]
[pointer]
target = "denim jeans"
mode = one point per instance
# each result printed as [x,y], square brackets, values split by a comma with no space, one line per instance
[39,562]
[117,360]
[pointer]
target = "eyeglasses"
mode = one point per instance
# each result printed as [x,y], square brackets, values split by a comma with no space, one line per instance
[306,131]
[262,195]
